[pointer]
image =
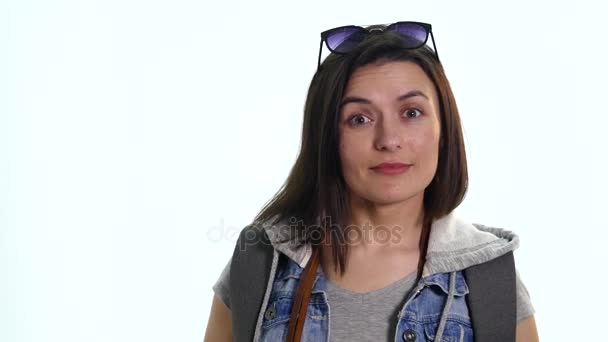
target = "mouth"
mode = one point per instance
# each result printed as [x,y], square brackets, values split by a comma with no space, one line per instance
[391,168]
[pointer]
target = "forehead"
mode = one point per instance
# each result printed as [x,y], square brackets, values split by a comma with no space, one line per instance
[389,79]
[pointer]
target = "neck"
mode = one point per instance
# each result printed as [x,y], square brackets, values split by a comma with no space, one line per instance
[386,225]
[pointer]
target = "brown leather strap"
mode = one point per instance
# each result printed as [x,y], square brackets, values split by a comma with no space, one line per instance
[300,304]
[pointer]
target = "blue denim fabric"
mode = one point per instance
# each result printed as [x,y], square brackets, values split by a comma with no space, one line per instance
[283,293]
[423,310]
[419,317]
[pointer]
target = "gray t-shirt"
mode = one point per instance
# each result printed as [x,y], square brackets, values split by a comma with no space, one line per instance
[371,316]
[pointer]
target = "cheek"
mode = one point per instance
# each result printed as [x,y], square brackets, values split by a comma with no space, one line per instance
[345,155]
[350,154]
[425,146]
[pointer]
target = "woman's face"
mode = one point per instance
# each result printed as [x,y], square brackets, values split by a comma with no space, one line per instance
[389,113]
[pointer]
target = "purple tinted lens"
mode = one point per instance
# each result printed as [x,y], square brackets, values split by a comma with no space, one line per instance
[414,35]
[345,39]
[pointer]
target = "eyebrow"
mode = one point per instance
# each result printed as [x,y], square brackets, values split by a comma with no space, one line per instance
[357,99]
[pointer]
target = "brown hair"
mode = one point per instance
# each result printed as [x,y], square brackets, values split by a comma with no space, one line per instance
[315,193]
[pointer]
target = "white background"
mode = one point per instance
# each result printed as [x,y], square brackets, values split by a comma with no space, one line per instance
[138,137]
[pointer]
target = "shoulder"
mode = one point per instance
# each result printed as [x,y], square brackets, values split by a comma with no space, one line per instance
[252,249]
[456,244]
[251,238]
[253,232]
[454,234]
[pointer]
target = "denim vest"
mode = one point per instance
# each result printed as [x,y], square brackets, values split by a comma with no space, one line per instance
[436,305]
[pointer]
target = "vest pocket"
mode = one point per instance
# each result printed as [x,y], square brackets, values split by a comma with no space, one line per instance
[276,319]
[277,311]
[454,331]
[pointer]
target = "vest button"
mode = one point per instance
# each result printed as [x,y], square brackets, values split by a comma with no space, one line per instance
[409,335]
[270,313]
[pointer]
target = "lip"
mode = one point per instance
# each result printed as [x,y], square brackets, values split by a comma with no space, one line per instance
[391,168]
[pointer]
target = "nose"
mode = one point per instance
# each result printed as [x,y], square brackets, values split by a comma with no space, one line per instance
[388,136]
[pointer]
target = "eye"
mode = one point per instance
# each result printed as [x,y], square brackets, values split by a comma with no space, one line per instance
[412,110]
[357,120]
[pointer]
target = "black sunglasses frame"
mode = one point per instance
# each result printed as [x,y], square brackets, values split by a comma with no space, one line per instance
[371,29]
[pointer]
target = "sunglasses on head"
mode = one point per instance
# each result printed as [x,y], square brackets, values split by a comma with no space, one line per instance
[344,39]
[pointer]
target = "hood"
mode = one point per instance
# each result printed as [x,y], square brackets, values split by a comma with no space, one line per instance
[454,244]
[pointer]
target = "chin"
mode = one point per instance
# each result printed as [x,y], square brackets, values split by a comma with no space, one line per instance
[388,198]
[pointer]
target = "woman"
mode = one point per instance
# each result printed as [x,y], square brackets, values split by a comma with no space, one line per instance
[363,241]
